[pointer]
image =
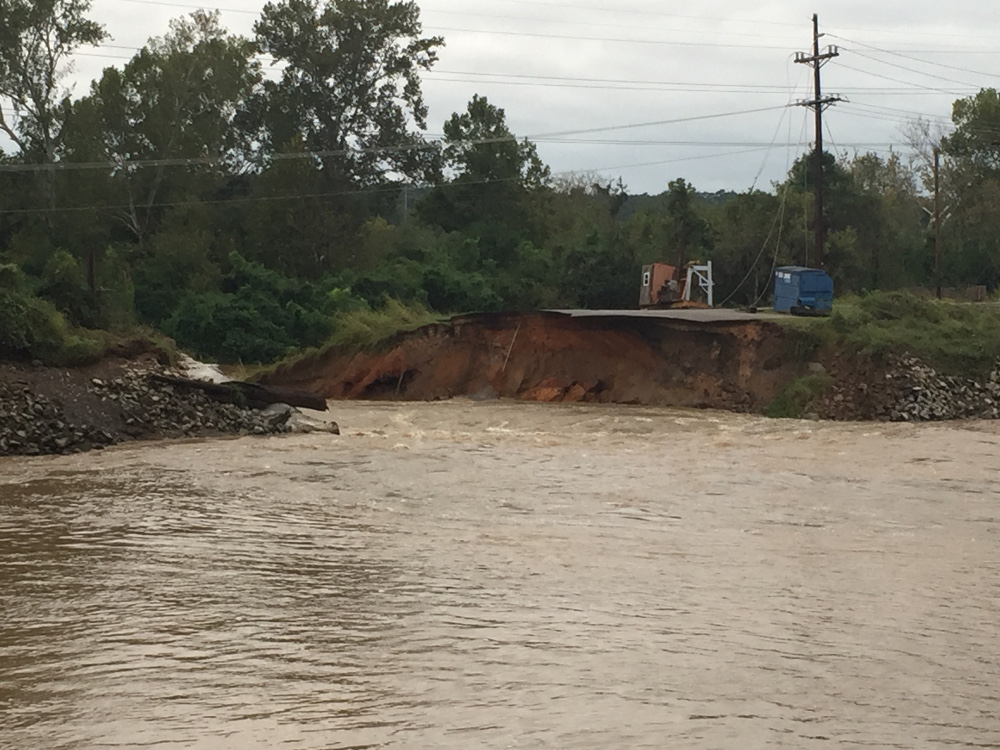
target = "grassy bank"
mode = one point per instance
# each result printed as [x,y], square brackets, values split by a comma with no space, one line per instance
[33,329]
[359,330]
[955,338]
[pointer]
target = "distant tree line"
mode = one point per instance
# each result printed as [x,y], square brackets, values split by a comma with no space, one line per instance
[240,206]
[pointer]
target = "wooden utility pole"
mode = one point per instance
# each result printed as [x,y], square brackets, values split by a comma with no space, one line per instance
[937,220]
[818,104]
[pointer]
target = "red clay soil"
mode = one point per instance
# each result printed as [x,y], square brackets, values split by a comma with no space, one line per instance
[553,357]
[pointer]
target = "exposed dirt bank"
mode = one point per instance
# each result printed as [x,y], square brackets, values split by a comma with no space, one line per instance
[739,366]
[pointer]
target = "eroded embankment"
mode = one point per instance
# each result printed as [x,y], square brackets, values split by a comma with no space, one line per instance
[554,357]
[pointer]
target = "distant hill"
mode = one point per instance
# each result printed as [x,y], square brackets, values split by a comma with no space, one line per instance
[646,202]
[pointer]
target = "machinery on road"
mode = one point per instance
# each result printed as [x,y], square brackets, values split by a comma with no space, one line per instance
[669,287]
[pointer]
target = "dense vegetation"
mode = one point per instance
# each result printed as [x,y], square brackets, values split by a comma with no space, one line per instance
[248,216]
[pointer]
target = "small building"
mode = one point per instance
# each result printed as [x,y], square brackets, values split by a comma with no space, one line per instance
[803,291]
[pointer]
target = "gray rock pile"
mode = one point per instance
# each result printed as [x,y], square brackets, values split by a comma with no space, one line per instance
[103,412]
[925,395]
[908,390]
[31,425]
[151,408]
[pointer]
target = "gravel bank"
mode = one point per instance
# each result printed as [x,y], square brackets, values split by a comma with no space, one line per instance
[48,410]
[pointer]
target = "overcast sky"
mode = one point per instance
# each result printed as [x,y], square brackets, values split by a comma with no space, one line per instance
[559,68]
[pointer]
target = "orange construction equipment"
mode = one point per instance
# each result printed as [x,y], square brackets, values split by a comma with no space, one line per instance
[664,285]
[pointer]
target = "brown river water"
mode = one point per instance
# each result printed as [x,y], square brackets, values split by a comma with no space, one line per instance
[503,575]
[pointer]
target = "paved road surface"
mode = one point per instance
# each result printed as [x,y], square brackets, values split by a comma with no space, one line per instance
[713,315]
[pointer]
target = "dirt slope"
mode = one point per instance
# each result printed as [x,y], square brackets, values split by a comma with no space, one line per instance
[553,357]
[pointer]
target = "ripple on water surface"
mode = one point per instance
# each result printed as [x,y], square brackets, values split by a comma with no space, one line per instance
[495,575]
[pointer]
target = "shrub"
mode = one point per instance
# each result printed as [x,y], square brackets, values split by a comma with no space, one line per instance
[798,396]
[33,327]
[259,316]
[366,327]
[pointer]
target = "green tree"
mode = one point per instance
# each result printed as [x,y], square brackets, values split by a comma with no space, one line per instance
[479,147]
[750,240]
[36,38]
[174,106]
[977,131]
[689,235]
[895,237]
[498,191]
[257,315]
[970,185]
[349,87]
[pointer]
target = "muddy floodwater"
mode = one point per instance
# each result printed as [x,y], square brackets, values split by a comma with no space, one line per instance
[501,575]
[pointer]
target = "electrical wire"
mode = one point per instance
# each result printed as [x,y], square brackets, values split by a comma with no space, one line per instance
[608,40]
[604,25]
[780,215]
[916,59]
[599,87]
[897,80]
[702,157]
[562,7]
[907,69]
[167,4]
[426,145]
[617,10]
[698,87]
[343,193]
[791,89]
[655,123]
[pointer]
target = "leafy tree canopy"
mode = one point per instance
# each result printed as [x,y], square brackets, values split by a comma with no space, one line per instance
[36,38]
[349,86]
[480,147]
[977,130]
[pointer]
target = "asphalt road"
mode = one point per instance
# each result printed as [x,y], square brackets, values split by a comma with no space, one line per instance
[695,315]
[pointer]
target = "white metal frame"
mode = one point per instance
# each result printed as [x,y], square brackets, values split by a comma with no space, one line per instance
[705,282]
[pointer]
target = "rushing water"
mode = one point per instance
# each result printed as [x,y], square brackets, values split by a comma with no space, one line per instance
[464,575]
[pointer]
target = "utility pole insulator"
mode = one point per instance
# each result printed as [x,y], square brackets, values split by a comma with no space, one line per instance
[818,104]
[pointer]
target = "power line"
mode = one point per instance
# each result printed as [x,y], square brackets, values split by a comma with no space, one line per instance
[341,193]
[425,145]
[564,21]
[661,162]
[619,11]
[917,59]
[713,144]
[574,7]
[607,40]
[785,24]
[698,86]
[578,7]
[779,221]
[909,112]
[694,118]
[639,86]
[910,70]
[771,147]
[167,4]
[678,88]
[935,89]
